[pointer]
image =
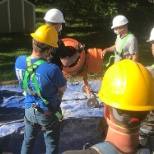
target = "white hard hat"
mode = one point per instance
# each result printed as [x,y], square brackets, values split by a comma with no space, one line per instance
[151,38]
[118,21]
[54,16]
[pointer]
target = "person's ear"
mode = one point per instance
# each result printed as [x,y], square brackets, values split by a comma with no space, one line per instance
[152,48]
[56,27]
[106,111]
[48,50]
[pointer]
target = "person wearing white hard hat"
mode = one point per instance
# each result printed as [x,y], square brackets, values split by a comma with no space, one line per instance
[151,40]
[61,55]
[126,45]
[147,126]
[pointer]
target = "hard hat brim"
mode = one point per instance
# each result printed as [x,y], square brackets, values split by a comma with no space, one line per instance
[112,27]
[63,21]
[33,35]
[149,40]
[119,25]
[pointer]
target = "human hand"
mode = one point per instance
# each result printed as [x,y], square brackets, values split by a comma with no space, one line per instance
[104,52]
[81,47]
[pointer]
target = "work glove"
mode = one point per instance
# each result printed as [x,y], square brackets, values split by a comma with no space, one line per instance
[81,47]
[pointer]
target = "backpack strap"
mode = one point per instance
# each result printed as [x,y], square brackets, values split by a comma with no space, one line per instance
[108,148]
[123,42]
[31,74]
[105,148]
[121,47]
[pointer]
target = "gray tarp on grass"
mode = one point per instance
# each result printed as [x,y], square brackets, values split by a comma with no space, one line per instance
[80,123]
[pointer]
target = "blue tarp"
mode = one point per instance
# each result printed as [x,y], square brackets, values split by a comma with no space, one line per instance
[80,124]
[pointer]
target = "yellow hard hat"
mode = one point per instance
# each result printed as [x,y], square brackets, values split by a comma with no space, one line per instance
[46,34]
[128,85]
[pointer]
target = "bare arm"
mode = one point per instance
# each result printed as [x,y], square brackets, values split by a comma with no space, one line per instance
[61,92]
[110,49]
[62,89]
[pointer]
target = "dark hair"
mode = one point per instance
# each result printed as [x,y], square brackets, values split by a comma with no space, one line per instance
[129,118]
[39,47]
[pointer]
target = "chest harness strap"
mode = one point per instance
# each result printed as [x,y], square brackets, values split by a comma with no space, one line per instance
[120,50]
[30,74]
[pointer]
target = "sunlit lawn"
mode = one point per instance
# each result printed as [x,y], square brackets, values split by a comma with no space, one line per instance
[15,44]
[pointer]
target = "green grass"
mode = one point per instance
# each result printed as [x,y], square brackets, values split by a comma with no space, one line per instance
[12,45]
[15,44]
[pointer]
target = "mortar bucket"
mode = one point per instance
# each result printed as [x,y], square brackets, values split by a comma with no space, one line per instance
[94,61]
[80,63]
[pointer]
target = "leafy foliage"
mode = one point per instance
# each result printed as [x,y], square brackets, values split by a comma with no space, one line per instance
[87,21]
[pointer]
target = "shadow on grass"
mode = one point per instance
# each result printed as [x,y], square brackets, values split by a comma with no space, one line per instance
[15,44]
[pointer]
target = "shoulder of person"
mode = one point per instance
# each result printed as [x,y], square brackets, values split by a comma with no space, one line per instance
[60,42]
[132,35]
[52,65]
[107,147]
[88,151]
[22,57]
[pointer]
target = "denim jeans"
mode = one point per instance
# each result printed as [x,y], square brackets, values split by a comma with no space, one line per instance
[51,136]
